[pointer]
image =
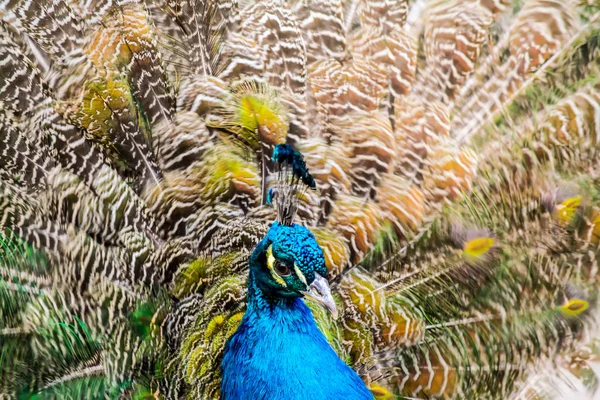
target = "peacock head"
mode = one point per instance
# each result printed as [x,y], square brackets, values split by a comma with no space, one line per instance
[288,263]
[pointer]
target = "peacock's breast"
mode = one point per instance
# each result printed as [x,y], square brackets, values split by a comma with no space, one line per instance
[281,354]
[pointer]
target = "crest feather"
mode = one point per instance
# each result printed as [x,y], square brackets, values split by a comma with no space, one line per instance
[293,179]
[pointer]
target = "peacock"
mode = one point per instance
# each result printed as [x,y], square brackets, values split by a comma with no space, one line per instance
[299,199]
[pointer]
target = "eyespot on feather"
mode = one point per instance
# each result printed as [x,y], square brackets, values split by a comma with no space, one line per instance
[574,307]
[380,392]
[258,115]
[478,247]
[565,211]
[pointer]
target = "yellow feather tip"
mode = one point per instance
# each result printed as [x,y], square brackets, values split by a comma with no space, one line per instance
[566,210]
[574,307]
[380,392]
[253,113]
[256,115]
[478,247]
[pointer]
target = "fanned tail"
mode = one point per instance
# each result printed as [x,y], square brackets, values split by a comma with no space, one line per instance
[454,157]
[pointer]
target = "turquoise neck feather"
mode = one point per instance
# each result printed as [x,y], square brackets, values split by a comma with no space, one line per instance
[278,352]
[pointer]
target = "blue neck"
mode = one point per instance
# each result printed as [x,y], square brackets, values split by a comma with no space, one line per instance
[279,353]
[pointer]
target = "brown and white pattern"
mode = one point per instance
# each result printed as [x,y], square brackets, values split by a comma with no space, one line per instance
[457,212]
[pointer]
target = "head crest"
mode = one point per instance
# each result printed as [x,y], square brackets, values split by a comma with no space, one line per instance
[293,179]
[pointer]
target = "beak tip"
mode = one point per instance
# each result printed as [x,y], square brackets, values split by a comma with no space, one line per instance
[319,292]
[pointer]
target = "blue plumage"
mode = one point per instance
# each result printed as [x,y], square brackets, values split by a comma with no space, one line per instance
[278,351]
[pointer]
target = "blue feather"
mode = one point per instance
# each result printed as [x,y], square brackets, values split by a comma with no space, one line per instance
[279,353]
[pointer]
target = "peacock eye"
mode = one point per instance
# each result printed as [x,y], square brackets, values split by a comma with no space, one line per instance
[282,269]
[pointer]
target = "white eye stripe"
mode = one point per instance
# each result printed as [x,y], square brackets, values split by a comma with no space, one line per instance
[300,274]
[270,257]
[271,266]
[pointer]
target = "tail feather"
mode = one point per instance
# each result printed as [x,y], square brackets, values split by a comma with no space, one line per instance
[21,162]
[554,33]
[322,27]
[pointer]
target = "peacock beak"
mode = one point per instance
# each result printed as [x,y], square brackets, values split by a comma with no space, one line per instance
[319,291]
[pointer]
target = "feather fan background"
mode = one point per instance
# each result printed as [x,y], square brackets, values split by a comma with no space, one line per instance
[454,145]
